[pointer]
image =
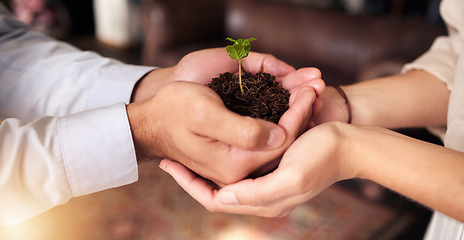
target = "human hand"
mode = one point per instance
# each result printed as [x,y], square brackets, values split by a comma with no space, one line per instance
[333,108]
[311,164]
[201,66]
[208,138]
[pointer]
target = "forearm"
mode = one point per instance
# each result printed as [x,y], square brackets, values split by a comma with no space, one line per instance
[413,99]
[428,173]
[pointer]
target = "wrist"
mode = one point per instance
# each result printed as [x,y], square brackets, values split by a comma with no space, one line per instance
[141,135]
[334,108]
[350,151]
[346,101]
[341,148]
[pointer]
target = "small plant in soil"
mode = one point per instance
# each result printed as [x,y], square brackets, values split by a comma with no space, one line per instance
[255,95]
[239,50]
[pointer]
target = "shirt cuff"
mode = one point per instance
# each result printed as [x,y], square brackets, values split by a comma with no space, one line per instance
[115,84]
[98,151]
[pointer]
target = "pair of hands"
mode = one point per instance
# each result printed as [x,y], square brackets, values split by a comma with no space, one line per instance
[187,122]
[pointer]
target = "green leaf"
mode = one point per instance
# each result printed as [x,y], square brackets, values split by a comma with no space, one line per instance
[240,49]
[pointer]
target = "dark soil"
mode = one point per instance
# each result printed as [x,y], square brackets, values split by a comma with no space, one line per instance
[264,98]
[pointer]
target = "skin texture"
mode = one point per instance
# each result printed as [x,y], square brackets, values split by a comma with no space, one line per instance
[175,116]
[334,151]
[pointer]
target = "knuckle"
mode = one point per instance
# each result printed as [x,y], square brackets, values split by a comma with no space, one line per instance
[316,72]
[170,88]
[251,132]
[199,112]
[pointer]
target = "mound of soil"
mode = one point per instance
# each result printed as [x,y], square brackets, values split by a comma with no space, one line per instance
[264,98]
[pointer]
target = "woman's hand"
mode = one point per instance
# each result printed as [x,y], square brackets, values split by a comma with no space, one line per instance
[428,173]
[311,164]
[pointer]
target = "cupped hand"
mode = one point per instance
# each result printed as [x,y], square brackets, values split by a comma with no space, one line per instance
[201,66]
[204,65]
[311,164]
[188,122]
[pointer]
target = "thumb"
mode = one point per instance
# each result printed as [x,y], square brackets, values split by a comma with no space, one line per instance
[297,116]
[241,131]
[257,192]
[300,77]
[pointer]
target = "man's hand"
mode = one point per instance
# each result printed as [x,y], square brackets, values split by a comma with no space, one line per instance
[188,122]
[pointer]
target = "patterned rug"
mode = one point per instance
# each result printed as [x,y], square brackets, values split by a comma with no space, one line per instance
[156,208]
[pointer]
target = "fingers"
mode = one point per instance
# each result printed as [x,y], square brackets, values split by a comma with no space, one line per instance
[196,187]
[216,61]
[252,197]
[257,192]
[309,76]
[212,119]
[296,118]
[244,132]
[317,107]
[259,62]
[206,116]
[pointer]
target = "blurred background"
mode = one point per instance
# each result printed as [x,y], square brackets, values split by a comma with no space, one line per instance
[349,40]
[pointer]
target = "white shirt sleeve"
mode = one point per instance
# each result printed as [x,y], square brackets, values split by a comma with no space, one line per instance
[47,161]
[66,131]
[442,57]
[445,60]
[40,76]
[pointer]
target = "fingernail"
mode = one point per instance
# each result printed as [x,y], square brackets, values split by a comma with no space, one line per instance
[276,137]
[229,198]
[163,165]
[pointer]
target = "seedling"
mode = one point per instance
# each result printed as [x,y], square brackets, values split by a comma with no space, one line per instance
[239,50]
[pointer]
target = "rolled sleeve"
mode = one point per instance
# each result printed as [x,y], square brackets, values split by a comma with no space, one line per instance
[440,61]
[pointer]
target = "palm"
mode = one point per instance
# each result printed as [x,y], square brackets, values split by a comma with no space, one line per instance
[201,66]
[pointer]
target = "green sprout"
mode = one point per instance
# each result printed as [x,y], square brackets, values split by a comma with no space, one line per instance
[239,50]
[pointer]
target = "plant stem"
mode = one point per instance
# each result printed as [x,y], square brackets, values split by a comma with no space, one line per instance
[240,75]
